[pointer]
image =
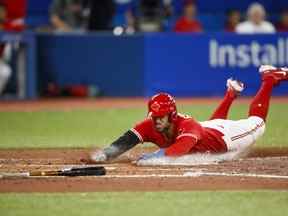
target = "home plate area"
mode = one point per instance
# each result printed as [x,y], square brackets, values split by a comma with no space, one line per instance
[261,169]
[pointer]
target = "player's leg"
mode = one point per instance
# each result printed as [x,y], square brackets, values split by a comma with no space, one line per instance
[240,135]
[234,88]
[271,77]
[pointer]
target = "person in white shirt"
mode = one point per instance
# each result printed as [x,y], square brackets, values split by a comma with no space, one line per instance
[255,21]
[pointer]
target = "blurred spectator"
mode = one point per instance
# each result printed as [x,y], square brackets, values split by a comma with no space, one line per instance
[3,14]
[282,26]
[13,13]
[151,15]
[188,22]
[101,15]
[131,25]
[12,18]
[125,15]
[255,21]
[5,70]
[69,15]
[232,20]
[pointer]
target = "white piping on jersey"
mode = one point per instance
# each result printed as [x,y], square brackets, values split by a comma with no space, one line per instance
[188,134]
[248,132]
[137,134]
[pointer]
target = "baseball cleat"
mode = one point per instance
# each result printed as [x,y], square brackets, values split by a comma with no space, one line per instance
[276,74]
[234,86]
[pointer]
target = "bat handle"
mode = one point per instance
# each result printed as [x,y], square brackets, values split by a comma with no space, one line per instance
[14,175]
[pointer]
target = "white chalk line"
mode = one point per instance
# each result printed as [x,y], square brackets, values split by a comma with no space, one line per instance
[188,172]
[185,175]
[29,159]
[192,174]
[188,175]
[146,176]
[55,166]
[107,167]
[197,174]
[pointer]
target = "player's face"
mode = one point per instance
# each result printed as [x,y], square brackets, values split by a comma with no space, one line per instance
[161,123]
[257,16]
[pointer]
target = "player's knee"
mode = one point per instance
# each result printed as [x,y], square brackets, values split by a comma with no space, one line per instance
[260,131]
[258,125]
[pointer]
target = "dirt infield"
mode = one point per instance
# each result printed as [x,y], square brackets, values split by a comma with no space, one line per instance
[262,169]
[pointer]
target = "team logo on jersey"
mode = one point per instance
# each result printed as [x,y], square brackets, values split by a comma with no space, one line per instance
[155,107]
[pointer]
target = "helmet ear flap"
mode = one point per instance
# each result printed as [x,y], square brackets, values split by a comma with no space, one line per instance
[172,116]
[149,114]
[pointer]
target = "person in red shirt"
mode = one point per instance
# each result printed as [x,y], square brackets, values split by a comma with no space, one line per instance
[282,25]
[177,135]
[15,13]
[188,22]
[232,20]
[12,14]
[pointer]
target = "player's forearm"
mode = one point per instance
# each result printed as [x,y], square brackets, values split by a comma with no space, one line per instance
[121,145]
[181,147]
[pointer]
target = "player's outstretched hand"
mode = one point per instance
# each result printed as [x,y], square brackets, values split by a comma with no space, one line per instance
[98,156]
[156,154]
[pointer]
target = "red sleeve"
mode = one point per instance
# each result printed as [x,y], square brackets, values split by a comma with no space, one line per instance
[190,134]
[143,129]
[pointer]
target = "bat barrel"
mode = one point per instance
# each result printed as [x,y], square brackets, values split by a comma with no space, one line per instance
[86,171]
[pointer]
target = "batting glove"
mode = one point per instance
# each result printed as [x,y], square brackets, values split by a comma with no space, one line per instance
[156,154]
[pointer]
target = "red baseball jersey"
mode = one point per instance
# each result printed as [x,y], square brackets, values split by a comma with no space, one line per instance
[15,14]
[188,137]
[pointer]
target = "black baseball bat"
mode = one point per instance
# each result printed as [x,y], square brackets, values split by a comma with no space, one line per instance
[82,171]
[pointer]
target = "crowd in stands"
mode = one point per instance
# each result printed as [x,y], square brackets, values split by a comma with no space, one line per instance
[140,16]
[153,16]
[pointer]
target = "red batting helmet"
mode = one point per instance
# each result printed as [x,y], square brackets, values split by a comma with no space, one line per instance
[162,104]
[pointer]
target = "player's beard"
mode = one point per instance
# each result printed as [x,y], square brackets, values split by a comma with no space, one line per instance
[161,123]
[163,129]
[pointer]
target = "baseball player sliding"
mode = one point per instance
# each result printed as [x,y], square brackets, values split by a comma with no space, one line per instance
[178,135]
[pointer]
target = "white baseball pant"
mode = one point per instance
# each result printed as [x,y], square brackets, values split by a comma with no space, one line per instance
[239,135]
